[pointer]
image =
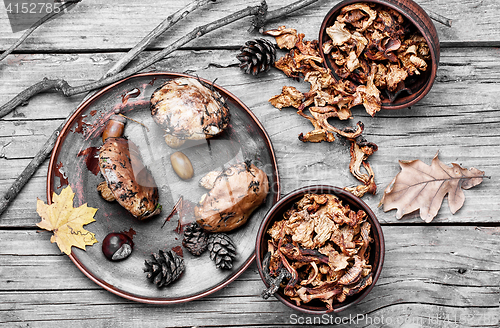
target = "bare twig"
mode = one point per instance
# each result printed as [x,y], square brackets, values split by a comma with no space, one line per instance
[63,86]
[160,29]
[68,91]
[28,172]
[47,84]
[21,98]
[62,8]
[439,18]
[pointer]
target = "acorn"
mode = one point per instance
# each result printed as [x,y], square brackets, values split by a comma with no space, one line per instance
[182,165]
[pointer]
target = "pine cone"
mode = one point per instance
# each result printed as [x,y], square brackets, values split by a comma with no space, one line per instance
[222,250]
[195,239]
[164,268]
[257,56]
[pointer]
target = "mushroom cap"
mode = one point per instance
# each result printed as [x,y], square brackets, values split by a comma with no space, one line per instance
[235,194]
[128,179]
[187,108]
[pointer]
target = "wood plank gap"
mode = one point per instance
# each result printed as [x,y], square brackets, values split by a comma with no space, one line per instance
[21,228]
[468,44]
[434,304]
[114,50]
[443,224]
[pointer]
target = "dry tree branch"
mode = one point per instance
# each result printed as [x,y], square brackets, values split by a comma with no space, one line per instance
[439,18]
[62,9]
[261,14]
[47,84]
[155,33]
[67,90]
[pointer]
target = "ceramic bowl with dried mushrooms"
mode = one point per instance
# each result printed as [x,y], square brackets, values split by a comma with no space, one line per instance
[320,249]
[389,49]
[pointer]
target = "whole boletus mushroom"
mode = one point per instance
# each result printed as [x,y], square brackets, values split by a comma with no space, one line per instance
[188,109]
[128,181]
[234,194]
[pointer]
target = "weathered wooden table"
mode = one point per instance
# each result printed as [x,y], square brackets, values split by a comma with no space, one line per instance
[442,274]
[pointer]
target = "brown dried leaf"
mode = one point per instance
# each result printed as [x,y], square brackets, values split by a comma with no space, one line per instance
[422,187]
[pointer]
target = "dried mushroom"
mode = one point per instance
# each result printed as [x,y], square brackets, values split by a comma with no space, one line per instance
[319,251]
[329,98]
[376,47]
[360,151]
[326,97]
[372,48]
[234,194]
[128,181]
[188,109]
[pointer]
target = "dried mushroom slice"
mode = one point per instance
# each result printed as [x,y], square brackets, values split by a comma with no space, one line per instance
[360,151]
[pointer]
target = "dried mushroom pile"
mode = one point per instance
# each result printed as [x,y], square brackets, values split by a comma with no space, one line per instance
[375,46]
[371,48]
[322,249]
[325,99]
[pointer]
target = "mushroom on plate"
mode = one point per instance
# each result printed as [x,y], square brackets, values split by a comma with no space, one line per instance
[234,194]
[188,109]
[128,181]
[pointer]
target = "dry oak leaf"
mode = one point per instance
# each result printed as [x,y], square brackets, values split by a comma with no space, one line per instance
[66,221]
[422,187]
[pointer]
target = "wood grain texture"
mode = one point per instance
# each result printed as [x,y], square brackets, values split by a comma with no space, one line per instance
[104,28]
[427,275]
[441,275]
[459,118]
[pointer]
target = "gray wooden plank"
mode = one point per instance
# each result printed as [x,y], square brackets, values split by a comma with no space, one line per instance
[459,118]
[433,276]
[104,26]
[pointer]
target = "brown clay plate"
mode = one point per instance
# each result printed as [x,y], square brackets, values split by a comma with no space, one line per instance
[73,162]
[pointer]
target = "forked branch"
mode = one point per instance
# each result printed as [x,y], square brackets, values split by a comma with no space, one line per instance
[261,17]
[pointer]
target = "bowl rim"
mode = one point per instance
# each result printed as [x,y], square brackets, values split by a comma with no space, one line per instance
[286,201]
[435,55]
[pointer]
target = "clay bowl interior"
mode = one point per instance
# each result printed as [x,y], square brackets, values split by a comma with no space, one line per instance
[420,21]
[355,203]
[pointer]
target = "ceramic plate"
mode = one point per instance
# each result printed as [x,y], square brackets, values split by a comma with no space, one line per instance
[73,162]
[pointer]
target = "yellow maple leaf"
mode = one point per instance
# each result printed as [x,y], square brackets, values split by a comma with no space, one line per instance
[66,222]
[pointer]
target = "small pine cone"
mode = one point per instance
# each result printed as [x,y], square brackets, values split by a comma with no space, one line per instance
[257,56]
[222,250]
[164,268]
[195,239]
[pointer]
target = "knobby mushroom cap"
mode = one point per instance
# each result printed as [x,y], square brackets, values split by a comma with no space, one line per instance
[187,108]
[234,195]
[128,179]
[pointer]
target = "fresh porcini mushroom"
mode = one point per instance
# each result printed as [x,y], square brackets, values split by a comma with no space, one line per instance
[188,109]
[128,181]
[234,194]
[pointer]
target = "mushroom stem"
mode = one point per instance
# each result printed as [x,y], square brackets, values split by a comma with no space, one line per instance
[114,128]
